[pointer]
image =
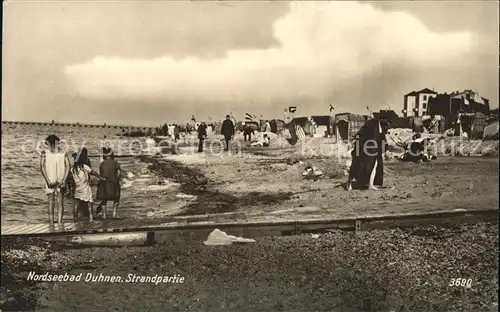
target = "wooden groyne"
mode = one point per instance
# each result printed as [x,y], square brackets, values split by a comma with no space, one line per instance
[122,128]
[196,228]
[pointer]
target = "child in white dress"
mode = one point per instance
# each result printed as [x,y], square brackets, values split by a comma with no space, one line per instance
[55,166]
[83,193]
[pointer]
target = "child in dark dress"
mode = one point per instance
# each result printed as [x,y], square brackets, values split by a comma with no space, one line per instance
[109,189]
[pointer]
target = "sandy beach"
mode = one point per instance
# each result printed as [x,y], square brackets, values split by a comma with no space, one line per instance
[380,270]
[260,183]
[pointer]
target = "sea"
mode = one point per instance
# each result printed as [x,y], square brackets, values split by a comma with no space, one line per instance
[23,199]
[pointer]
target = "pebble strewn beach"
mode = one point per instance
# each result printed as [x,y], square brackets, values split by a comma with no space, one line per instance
[383,270]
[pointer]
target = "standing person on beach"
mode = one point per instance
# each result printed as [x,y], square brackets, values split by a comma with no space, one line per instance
[70,182]
[109,189]
[202,136]
[55,167]
[228,131]
[83,193]
[177,135]
[247,133]
[367,166]
[85,154]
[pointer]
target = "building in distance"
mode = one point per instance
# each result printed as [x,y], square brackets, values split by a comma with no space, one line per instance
[416,102]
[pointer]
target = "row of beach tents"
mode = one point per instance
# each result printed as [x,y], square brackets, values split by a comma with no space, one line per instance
[345,124]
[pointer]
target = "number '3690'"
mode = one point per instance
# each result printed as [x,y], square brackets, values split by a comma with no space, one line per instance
[462,282]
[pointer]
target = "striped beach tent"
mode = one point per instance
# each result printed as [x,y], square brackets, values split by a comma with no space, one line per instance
[301,135]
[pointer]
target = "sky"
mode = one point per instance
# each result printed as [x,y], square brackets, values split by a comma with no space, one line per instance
[151,62]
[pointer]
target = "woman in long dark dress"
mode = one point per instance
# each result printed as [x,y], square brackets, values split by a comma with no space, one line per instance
[367,166]
[109,190]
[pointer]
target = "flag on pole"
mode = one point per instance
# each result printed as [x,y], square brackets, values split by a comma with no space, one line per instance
[192,118]
[466,102]
[248,117]
[368,108]
[292,109]
[478,99]
[331,108]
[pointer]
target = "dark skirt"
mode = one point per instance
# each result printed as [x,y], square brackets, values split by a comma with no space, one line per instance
[108,190]
[362,166]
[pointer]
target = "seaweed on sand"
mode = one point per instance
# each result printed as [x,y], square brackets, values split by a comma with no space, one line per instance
[194,182]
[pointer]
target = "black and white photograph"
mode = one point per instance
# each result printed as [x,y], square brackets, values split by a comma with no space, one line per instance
[336,156]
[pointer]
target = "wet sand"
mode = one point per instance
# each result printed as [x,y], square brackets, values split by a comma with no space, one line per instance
[383,270]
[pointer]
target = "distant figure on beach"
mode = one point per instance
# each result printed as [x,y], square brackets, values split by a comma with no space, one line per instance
[367,166]
[109,189]
[177,135]
[55,167]
[267,141]
[267,127]
[228,131]
[264,142]
[247,133]
[83,193]
[202,136]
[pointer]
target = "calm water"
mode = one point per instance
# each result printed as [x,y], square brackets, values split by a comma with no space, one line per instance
[144,195]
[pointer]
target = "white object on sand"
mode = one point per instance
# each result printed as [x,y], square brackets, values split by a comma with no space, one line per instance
[312,172]
[218,237]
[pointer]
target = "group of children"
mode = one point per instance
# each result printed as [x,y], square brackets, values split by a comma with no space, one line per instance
[60,176]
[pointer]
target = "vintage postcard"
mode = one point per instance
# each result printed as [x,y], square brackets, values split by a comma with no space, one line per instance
[250,156]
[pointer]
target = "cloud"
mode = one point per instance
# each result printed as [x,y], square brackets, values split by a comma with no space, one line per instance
[326,51]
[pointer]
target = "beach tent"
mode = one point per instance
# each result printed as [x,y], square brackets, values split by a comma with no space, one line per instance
[306,124]
[217,127]
[491,132]
[296,132]
[347,125]
[324,123]
[210,130]
[252,124]
[277,125]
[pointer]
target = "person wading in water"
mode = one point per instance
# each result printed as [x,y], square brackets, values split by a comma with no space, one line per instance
[55,167]
[367,166]
[109,189]
[83,193]
[228,131]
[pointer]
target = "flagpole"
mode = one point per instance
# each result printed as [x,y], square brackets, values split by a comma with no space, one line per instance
[449,111]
